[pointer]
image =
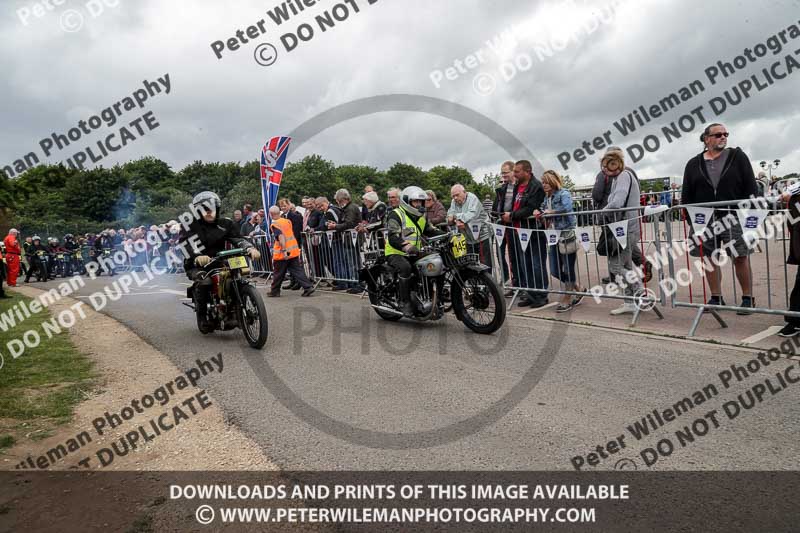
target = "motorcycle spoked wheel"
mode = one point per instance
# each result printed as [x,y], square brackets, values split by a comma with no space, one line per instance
[253,317]
[480,303]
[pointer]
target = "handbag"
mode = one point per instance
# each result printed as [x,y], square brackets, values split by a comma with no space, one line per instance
[607,244]
[568,242]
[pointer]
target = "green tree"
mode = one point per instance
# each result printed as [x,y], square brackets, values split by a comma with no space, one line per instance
[312,176]
[402,175]
[148,173]
[95,193]
[354,178]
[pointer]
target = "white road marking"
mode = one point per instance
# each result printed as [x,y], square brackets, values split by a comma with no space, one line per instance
[772,330]
[172,291]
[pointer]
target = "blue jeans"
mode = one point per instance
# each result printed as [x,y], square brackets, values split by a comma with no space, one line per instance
[562,266]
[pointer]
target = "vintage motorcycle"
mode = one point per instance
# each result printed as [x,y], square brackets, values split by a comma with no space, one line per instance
[234,301]
[445,275]
[39,266]
[59,265]
[74,263]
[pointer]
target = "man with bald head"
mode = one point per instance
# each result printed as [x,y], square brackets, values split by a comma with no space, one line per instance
[470,217]
[286,255]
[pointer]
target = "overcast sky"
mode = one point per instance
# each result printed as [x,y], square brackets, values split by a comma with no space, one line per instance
[223,110]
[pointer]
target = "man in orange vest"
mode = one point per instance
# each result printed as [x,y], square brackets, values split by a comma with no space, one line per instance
[12,257]
[286,255]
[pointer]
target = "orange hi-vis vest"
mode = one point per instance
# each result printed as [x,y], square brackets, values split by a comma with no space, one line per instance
[292,248]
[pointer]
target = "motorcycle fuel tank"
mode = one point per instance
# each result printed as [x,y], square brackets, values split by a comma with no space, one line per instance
[431,265]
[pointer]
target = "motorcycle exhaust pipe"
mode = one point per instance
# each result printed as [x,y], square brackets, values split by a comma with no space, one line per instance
[387,310]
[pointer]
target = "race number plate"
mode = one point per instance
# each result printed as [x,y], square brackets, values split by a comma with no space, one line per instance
[237,262]
[459,244]
[60,256]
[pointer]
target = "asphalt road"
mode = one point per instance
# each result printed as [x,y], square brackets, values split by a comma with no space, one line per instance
[336,388]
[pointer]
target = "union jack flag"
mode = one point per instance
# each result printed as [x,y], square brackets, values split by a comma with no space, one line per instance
[273,159]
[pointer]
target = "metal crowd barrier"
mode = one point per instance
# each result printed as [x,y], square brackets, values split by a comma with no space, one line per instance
[337,256]
[691,273]
[537,268]
[263,267]
[524,261]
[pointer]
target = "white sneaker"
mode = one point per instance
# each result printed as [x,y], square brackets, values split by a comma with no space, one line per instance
[624,309]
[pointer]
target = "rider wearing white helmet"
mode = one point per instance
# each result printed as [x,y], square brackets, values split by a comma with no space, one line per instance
[405,226]
[212,232]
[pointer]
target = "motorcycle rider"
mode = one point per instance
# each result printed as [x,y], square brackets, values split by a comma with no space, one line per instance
[71,247]
[27,251]
[406,225]
[213,232]
[103,242]
[37,246]
[53,249]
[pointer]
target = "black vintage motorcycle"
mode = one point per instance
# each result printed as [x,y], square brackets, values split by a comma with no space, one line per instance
[445,275]
[234,301]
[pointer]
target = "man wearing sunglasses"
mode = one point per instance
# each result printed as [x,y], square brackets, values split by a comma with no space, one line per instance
[722,174]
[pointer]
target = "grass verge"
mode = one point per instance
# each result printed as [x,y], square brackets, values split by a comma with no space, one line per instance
[40,388]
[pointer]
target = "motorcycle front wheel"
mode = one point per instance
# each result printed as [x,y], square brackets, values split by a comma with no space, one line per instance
[253,317]
[479,303]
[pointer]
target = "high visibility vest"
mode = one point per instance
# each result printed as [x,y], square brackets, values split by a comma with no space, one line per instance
[411,233]
[292,249]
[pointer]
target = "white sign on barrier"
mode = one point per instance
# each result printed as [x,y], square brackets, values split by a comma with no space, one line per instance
[552,236]
[354,236]
[650,210]
[751,220]
[620,231]
[699,217]
[475,228]
[584,237]
[499,232]
[524,237]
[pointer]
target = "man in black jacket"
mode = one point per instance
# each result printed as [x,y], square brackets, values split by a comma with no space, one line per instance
[344,251]
[212,232]
[503,202]
[528,263]
[722,174]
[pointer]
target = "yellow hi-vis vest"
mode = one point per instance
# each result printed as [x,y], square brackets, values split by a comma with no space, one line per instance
[292,248]
[411,232]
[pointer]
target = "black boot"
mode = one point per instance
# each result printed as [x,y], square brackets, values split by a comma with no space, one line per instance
[404,295]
